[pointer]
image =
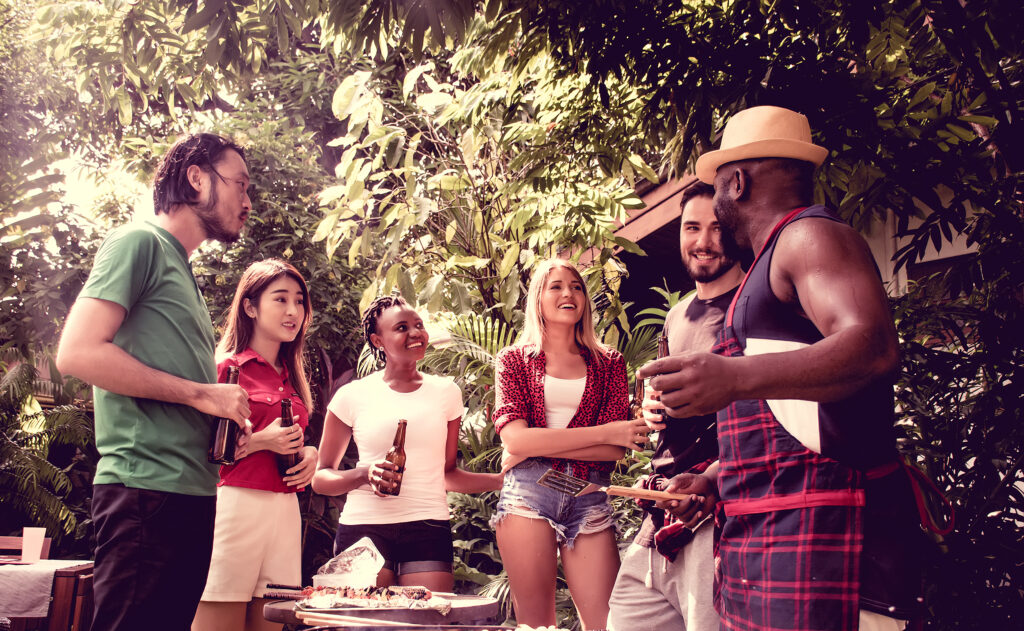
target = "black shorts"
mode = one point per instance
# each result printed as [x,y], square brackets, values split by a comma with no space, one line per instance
[408,547]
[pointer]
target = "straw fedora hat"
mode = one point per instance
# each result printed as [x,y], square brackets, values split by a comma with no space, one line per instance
[762,132]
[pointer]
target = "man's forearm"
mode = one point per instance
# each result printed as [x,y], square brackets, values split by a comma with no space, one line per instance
[829,370]
[111,368]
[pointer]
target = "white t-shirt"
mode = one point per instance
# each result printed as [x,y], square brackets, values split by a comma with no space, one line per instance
[372,409]
[561,400]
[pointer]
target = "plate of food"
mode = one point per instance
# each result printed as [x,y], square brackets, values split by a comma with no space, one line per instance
[352,598]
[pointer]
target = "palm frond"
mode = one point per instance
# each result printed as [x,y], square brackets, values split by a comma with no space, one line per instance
[641,347]
[468,356]
[367,362]
[32,488]
[16,384]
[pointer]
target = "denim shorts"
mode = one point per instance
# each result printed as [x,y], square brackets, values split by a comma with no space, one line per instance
[569,516]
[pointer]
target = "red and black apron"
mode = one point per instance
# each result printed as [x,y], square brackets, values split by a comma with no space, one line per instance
[815,525]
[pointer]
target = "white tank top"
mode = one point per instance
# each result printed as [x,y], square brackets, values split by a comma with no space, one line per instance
[561,399]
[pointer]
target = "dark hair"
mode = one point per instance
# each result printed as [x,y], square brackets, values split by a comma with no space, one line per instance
[171,185]
[237,332]
[695,188]
[370,316]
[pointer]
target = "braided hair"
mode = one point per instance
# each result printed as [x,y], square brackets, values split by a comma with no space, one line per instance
[370,316]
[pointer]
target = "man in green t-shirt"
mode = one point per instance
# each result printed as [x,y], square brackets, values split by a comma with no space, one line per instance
[140,332]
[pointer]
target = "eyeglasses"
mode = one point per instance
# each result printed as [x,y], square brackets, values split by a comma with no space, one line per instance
[243,185]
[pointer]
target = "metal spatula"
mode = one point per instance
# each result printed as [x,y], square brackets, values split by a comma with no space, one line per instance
[577,486]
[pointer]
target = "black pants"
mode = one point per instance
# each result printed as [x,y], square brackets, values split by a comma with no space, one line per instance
[152,556]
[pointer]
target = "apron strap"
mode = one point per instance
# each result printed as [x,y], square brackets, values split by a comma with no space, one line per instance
[920,484]
[771,237]
[794,500]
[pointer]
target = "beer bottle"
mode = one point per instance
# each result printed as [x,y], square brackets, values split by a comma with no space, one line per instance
[225,432]
[286,461]
[396,456]
[663,352]
[636,404]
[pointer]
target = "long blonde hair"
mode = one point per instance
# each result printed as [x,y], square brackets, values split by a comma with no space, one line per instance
[239,326]
[534,328]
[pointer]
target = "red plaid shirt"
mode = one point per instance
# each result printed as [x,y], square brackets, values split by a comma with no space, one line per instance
[520,373]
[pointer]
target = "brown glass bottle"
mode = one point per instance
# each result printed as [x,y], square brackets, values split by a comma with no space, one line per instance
[225,432]
[663,352]
[286,461]
[636,404]
[396,456]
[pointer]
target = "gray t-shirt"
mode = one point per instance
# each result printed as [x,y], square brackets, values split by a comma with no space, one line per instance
[691,325]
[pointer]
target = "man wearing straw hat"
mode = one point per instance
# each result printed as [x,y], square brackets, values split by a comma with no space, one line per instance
[817,520]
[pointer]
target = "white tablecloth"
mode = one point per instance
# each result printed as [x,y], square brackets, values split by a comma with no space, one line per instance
[25,590]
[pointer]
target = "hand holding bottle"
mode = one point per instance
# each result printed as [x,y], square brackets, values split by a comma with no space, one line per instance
[278,439]
[653,410]
[243,441]
[384,478]
[301,474]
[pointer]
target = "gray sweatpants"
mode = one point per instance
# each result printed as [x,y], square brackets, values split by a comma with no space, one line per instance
[652,592]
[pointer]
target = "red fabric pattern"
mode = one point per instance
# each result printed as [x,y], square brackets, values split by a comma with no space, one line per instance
[266,388]
[519,380]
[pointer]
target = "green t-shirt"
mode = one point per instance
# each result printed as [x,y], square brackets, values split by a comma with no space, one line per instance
[144,443]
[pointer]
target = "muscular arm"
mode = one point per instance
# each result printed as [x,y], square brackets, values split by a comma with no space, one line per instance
[328,479]
[824,269]
[87,351]
[460,480]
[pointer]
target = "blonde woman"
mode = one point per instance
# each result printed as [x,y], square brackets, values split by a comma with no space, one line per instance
[561,395]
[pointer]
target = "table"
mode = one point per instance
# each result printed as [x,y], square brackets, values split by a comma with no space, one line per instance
[70,596]
[466,609]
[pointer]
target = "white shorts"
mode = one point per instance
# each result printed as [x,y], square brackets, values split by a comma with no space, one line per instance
[256,542]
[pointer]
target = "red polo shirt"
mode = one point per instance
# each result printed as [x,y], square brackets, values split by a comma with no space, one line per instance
[266,388]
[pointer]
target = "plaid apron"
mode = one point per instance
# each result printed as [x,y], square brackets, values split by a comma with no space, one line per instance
[791,519]
[790,547]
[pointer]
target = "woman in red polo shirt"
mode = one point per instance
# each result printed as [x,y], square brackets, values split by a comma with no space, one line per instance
[257,533]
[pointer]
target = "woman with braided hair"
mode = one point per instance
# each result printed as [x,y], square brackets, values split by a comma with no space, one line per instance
[410,529]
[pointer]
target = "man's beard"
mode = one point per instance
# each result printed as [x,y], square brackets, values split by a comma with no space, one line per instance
[702,274]
[728,215]
[212,222]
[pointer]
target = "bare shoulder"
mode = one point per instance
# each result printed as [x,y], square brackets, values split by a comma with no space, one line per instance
[818,236]
[827,250]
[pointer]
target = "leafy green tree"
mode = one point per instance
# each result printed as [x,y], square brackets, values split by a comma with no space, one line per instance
[921,103]
[919,99]
[455,173]
[34,490]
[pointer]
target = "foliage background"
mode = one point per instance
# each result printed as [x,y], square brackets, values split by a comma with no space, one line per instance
[441,148]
